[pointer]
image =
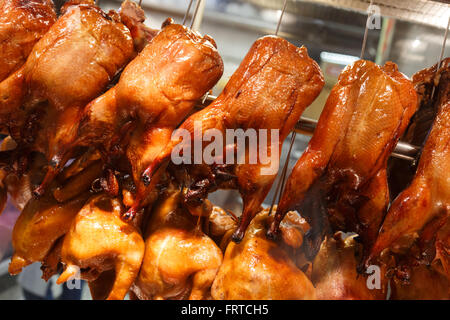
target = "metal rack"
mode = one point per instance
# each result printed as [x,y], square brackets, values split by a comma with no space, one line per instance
[432,13]
[417,10]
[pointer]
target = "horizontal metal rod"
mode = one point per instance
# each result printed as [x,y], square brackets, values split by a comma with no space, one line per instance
[306,126]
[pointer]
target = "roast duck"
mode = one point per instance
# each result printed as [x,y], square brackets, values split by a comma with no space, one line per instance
[417,225]
[94,106]
[340,181]
[250,100]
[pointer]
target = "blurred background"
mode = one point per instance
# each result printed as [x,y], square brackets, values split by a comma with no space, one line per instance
[409,33]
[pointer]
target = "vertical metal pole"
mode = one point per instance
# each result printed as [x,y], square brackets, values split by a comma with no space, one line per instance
[363,48]
[281,17]
[283,173]
[441,55]
[198,15]
[187,12]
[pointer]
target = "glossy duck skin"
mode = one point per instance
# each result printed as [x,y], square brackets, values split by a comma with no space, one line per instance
[366,113]
[44,221]
[66,69]
[22,24]
[274,84]
[258,268]
[99,241]
[424,284]
[427,199]
[156,91]
[19,189]
[401,172]
[334,272]
[39,226]
[180,261]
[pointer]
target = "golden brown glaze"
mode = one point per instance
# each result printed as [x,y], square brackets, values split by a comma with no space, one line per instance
[155,93]
[69,66]
[22,24]
[220,225]
[41,223]
[133,17]
[258,268]
[334,272]
[274,84]
[420,211]
[441,259]
[424,284]
[344,165]
[180,261]
[401,172]
[97,242]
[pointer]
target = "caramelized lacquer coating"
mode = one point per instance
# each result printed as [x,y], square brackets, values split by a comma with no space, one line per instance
[274,84]
[74,61]
[22,24]
[44,221]
[99,241]
[424,284]
[155,93]
[20,188]
[258,268]
[68,67]
[400,171]
[41,223]
[180,261]
[427,199]
[364,116]
[335,276]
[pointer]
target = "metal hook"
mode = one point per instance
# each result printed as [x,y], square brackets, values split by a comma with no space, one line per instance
[281,17]
[442,55]
[187,12]
[194,16]
[363,47]
[280,185]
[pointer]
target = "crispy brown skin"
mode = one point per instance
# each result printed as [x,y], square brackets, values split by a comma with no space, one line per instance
[22,24]
[41,223]
[424,284]
[261,269]
[70,65]
[133,17]
[44,221]
[156,91]
[99,241]
[180,261]
[423,208]
[334,272]
[274,84]
[364,116]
